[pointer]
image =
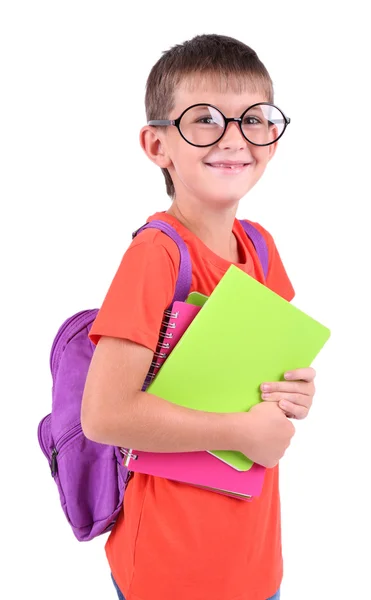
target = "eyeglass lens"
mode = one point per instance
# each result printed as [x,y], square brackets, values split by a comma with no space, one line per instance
[204,125]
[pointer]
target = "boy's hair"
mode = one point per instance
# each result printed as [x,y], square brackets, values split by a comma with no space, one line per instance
[230,61]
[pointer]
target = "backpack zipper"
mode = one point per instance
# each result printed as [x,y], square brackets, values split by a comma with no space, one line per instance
[60,444]
[80,319]
[52,459]
[53,463]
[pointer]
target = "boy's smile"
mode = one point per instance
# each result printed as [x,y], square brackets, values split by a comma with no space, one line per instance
[228,167]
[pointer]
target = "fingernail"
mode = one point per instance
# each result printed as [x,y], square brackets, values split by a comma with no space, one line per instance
[288,375]
[283,404]
[265,387]
[266,396]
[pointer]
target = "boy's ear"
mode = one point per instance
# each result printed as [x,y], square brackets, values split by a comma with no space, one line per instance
[272,150]
[153,144]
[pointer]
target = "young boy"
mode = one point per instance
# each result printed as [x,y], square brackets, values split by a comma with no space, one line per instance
[175,541]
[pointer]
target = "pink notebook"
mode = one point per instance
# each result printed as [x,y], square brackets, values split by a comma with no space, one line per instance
[195,468]
[200,469]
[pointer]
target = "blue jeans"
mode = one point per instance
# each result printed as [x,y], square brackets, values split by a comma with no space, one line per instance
[121,597]
[276,596]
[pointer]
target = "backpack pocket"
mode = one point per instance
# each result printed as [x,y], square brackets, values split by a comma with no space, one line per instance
[83,472]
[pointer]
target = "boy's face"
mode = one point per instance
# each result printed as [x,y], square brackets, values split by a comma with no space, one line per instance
[202,173]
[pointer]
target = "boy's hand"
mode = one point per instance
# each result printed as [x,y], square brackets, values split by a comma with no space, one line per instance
[264,433]
[294,395]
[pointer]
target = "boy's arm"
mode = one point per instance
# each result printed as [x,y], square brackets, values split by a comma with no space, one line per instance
[116,412]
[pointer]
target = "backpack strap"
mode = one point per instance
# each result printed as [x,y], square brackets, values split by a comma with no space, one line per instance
[183,284]
[259,243]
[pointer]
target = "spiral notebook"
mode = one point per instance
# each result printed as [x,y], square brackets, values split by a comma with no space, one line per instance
[200,469]
[244,335]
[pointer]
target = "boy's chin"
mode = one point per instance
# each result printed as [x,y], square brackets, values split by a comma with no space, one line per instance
[226,197]
[220,201]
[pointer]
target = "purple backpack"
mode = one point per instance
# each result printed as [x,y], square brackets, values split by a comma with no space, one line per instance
[90,477]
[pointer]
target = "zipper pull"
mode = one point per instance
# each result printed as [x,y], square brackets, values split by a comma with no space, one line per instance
[54,464]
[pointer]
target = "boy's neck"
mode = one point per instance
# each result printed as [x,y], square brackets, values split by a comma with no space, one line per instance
[212,227]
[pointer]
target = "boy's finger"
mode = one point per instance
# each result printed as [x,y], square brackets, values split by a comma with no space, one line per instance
[293,410]
[292,387]
[307,374]
[294,399]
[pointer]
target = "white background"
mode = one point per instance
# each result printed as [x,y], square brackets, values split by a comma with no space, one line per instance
[75,184]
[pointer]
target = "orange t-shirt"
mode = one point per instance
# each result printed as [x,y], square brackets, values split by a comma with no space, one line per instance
[174,541]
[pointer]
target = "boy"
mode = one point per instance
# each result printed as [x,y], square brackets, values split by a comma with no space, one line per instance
[173,541]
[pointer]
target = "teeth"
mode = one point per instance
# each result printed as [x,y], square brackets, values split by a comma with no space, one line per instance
[227,166]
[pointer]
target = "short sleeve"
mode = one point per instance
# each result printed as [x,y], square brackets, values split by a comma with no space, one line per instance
[142,288]
[277,278]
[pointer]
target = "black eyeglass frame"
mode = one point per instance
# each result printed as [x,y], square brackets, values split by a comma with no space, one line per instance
[176,123]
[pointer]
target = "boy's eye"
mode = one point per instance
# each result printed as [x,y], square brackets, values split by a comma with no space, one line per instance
[250,120]
[207,121]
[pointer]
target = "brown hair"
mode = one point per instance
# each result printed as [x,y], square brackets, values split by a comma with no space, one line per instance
[229,61]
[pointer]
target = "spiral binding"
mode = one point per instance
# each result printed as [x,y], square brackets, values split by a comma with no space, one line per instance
[162,344]
[165,345]
[128,454]
[169,315]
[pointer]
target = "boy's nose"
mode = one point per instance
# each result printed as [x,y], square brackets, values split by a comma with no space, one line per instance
[233,137]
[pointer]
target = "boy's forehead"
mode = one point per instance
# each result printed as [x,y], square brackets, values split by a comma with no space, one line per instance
[227,93]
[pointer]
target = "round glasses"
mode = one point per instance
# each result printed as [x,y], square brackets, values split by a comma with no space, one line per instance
[203,125]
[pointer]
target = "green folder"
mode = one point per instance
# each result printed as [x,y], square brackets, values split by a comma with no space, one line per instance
[196,299]
[244,335]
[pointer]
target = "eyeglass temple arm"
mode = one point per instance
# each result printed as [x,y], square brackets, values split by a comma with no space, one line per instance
[276,121]
[161,122]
